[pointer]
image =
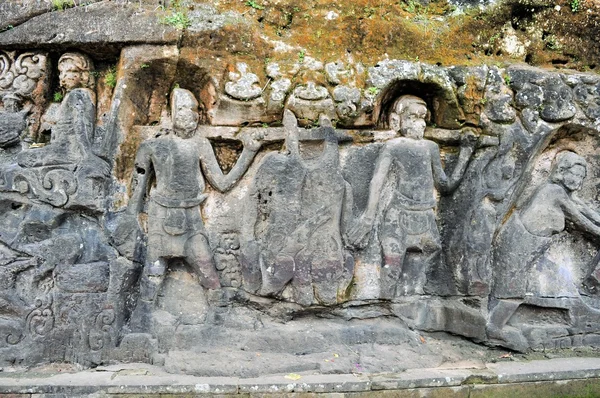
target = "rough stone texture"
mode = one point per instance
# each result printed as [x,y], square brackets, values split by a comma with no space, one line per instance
[101,28]
[179,202]
[556,378]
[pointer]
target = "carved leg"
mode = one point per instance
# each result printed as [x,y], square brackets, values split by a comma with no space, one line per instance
[497,329]
[151,281]
[393,257]
[199,257]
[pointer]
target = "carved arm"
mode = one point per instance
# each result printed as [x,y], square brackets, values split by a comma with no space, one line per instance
[212,171]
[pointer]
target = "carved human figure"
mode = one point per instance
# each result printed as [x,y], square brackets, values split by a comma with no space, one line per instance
[526,236]
[13,120]
[70,142]
[303,207]
[180,162]
[66,171]
[409,220]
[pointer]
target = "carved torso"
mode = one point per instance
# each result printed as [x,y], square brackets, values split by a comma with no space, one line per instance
[411,160]
[176,162]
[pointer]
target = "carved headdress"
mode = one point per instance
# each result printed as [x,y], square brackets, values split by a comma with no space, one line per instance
[81,63]
[563,162]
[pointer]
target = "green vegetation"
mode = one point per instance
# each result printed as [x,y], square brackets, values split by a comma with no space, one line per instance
[57,97]
[144,66]
[507,80]
[413,7]
[177,19]
[110,79]
[575,5]
[254,5]
[62,4]
[301,55]
[373,90]
[493,38]
[552,43]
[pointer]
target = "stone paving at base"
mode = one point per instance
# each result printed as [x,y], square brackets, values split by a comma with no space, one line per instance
[560,377]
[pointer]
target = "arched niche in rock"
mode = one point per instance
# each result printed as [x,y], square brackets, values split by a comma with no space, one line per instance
[444,110]
[143,94]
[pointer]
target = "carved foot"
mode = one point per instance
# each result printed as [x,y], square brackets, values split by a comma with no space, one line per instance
[507,336]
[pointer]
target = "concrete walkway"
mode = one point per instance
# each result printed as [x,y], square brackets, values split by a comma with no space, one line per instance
[562,377]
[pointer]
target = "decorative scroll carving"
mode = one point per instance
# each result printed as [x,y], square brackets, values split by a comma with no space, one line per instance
[243,85]
[19,75]
[40,321]
[102,331]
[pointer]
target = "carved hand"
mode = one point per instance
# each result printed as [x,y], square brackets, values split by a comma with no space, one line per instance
[468,138]
[253,141]
[95,166]
[359,232]
[27,158]
[126,233]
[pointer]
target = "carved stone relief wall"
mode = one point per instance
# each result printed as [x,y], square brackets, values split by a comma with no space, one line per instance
[459,199]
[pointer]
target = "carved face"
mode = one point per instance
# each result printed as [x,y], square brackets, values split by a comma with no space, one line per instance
[70,77]
[185,120]
[573,177]
[412,121]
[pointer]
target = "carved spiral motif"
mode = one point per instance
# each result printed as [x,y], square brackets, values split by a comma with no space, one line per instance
[40,321]
[58,185]
[6,76]
[21,75]
[101,333]
[14,339]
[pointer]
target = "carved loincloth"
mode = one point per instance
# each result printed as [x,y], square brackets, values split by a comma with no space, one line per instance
[170,227]
[414,225]
[517,249]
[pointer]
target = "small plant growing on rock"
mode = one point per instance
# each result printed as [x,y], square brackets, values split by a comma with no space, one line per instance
[373,90]
[57,97]
[507,80]
[144,66]
[575,5]
[301,56]
[254,5]
[177,19]
[110,79]
[62,4]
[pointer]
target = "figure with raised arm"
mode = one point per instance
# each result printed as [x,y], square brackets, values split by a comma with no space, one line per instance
[526,236]
[180,162]
[414,166]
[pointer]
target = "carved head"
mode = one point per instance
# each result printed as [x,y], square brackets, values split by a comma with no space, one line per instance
[558,101]
[75,71]
[569,170]
[184,112]
[11,102]
[408,116]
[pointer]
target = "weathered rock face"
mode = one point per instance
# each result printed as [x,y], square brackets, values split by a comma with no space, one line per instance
[175,203]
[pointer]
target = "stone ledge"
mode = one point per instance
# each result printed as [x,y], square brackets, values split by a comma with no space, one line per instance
[141,380]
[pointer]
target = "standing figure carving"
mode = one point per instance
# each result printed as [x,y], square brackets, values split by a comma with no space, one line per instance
[527,235]
[414,165]
[303,207]
[179,161]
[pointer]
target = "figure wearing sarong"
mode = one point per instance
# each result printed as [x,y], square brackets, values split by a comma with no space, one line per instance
[303,207]
[527,235]
[409,219]
[179,162]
